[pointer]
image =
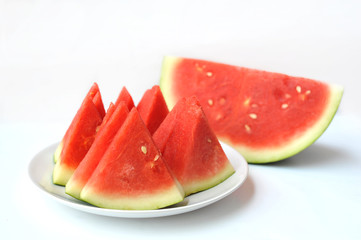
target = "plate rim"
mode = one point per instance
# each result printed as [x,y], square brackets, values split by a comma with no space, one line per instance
[241,170]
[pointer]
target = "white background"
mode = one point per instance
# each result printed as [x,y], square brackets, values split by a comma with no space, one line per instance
[52,51]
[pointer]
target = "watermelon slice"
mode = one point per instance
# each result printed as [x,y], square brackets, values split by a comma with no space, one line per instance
[124,96]
[191,149]
[94,94]
[102,140]
[265,116]
[132,173]
[152,108]
[78,138]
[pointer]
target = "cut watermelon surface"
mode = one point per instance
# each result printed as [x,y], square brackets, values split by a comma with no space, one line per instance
[78,142]
[152,108]
[97,100]
[132,173]
[78,138]
[107,116]
[95,95]
[191,149]
[112,123]
[124,96]
[265,116]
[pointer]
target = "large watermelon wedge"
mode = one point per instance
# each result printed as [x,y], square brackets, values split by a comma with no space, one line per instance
[265,116]
[113,120]
[191,149]
[132,173]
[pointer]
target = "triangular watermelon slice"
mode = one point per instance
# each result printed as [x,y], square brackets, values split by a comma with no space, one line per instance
[152,108]
[266,116]
[191,149]
[78,138]
[113,120]
[124,96]
[132,173]
[95,95]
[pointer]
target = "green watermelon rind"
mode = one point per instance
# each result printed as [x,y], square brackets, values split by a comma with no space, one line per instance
[61,174]
[299,143]
[265,155]
[211,182]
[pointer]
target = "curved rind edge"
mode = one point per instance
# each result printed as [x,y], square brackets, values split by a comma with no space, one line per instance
[208,183]
[300,143]
[262,155]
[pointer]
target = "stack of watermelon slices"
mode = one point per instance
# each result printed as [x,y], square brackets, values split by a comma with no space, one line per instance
[142,157]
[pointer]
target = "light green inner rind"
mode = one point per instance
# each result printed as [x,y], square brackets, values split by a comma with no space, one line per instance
[73,189]
[169,63]
[61,173]
[149,201]
[264,155]
[58,152]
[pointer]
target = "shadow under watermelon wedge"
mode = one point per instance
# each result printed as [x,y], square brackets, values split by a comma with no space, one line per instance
[266,116]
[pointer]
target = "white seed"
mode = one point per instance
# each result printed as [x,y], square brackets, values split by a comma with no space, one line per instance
[210,102]
[252,115]
[308,92]
[246,102]
[287,95]
[219,116]
[298,89]
[209,74]
[156,158]
[284,106]
[209,140]
[143,149]
[247,127]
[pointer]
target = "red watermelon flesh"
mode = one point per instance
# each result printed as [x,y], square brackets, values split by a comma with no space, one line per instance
[111,123]
[266,116]
[107,116]
[124,96]
[132,173]
[152,108]
[99,104]
[78,141]
[191,149]
[93,94]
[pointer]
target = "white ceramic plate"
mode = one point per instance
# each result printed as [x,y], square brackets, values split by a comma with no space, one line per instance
[41,168]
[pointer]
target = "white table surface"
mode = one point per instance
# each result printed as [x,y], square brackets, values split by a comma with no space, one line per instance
[52,51]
